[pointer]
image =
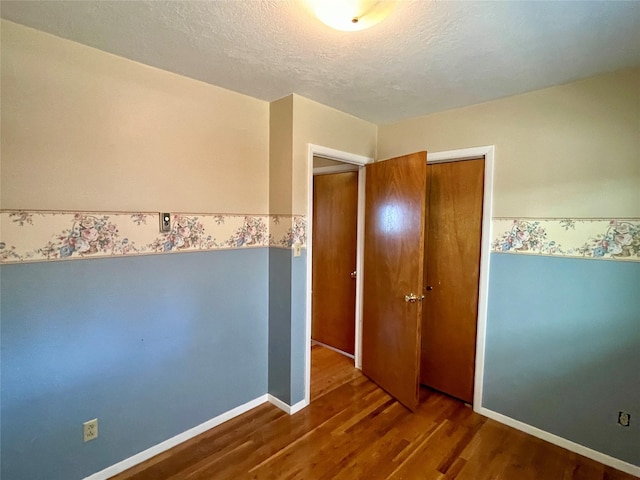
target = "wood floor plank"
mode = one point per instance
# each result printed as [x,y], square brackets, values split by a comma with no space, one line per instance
[354,430]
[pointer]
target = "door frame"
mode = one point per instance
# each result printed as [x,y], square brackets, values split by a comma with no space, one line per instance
[488,152]
[360,161]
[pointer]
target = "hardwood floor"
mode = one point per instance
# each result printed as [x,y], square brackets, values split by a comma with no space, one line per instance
[354,430]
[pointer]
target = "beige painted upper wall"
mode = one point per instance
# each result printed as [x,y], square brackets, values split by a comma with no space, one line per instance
[319,162]
[566,151]
[280,153]
[321,125]
[86,130]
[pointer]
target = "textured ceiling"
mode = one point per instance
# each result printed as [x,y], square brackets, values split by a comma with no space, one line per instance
[427,56]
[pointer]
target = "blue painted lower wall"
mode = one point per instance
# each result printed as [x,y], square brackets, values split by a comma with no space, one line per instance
[298,326]
[287,303]
[563,348]
[280,323]
[156,345]
[150,345]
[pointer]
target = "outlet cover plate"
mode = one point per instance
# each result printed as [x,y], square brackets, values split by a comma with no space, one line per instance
[624,419]
[90,430]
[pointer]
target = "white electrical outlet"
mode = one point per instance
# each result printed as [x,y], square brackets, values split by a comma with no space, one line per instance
[90,430]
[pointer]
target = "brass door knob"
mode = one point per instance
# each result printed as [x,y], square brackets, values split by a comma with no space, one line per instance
[412,298]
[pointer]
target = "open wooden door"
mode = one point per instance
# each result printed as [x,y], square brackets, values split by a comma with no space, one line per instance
[396,191]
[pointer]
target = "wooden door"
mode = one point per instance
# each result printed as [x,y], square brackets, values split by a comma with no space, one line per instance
[452,274]
[335,217]
[393,269]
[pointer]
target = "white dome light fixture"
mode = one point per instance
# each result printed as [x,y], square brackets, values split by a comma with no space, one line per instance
[351,15]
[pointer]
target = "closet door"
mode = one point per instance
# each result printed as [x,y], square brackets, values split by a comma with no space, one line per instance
[393,274]
[452,275]
[335,225]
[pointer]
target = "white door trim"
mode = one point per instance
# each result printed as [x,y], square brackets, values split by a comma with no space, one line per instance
[360,161]
[339,155]
[488,152]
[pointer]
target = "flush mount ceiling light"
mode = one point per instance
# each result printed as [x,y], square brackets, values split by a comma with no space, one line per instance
[352,15]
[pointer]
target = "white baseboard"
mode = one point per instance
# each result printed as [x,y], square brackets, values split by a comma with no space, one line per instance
[285,407]
[562,442]
[298,406]
[178,439]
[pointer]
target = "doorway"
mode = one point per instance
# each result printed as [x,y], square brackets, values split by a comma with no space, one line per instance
[333,287]
[333,161]
[488,152]
[393,273]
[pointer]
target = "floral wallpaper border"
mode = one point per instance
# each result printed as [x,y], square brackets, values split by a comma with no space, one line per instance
[36,236]
[610,239]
